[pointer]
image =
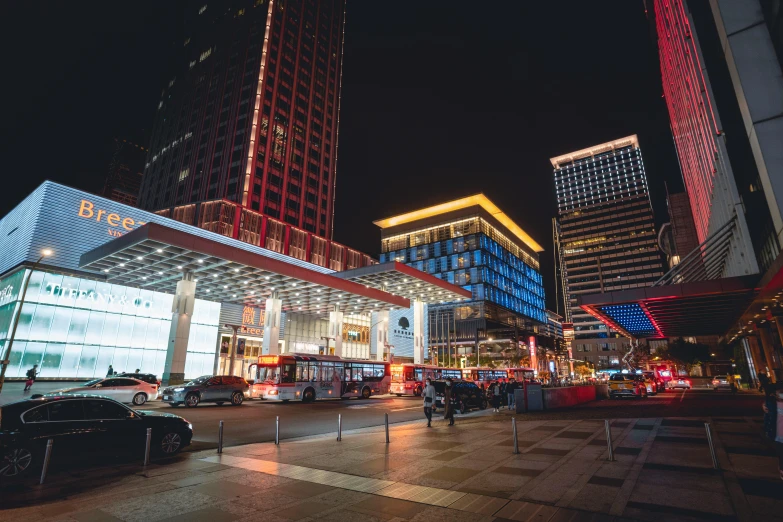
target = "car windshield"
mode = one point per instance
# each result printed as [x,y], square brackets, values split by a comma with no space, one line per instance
[90,384]
[200,380]
[619,377]
[269,374]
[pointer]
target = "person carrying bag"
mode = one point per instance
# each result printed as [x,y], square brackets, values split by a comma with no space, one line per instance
[429,401]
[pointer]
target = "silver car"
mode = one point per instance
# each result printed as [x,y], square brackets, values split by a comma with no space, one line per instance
[121,389]
[208,388]
[721,382]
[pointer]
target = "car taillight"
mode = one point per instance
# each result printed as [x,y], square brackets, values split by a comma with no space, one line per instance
[272,392]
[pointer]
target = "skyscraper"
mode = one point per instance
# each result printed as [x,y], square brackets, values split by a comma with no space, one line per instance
[248,119]
[604,232]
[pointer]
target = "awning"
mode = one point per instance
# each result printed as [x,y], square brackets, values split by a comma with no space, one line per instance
[156,257]
[688,309]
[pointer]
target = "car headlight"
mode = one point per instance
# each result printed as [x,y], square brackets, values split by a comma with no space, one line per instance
[190,426]
[179,389]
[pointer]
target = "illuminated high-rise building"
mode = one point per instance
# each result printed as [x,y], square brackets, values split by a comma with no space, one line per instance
[245,135]
[605,235]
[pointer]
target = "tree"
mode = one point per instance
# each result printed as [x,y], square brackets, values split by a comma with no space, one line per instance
[583,371]
[684,353]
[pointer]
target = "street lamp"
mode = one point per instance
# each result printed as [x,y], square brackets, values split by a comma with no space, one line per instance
[6,359]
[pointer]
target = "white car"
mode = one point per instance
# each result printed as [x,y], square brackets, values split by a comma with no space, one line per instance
[121,389]
[679,383]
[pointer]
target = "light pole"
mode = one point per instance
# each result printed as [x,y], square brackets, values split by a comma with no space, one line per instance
[6,358]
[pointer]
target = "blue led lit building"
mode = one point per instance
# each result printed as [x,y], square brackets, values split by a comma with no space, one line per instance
[471,243]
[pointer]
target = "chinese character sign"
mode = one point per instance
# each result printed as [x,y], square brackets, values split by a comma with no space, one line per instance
[248,315]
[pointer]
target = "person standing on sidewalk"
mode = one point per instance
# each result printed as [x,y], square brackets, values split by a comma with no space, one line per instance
[32,373]
[495,397]
[429,400]
[447,403]
[110,372]
[510,388]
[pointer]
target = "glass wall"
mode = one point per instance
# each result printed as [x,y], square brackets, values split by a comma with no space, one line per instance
[75,328]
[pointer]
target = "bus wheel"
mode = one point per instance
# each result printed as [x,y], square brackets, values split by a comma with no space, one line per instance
[308,395]
[417,391]
[366,393]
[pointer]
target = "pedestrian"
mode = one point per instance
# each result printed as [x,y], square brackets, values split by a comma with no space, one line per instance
[447,403]
[429,400]
[763,381]
[110,372]
[32,373]
[502,390]
[137,371]
[510,389]
[496,397]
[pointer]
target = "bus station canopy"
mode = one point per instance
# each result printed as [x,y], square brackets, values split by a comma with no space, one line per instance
[688,309]
[156,257]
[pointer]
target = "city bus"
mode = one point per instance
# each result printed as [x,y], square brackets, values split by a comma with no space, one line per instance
[408,379]
[306,377]
[483,375]
[521,374]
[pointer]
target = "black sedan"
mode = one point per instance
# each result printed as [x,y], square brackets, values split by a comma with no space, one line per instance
[465,395]
[87,425]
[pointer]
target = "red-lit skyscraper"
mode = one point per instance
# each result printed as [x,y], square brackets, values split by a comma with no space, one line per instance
[245,136]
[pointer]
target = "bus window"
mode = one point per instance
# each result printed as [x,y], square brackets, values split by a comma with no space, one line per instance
[327,371]
[301,372]
[268,374]
[314,371]
[356,372]
[347,373]
[288,372]
[418,374]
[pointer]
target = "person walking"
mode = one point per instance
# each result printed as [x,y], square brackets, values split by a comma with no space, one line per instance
[447,403]
[510,388]
[32,373]
[110,372]
[429,400]
[496,397]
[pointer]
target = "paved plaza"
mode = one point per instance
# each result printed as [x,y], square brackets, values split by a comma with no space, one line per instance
[663,470]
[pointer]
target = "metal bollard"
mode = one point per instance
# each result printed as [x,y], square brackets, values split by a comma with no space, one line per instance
[220,437]
[609,440]
[387,428]
[712,446]
[47,457]
[147,448]
[277,431]
[514,431]
[339,426]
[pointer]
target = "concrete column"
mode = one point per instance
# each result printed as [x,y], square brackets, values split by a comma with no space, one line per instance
[272,314]
[336,330]
[769,350]
[382,335]
[755,353]
[418,332]
[181,314]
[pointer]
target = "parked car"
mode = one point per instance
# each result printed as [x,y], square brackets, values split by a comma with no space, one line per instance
[678,383]
[721,382]
[468,395]
[208,388]
[122,389]
[649,382]
[82,425]
[627,385]
[146,377]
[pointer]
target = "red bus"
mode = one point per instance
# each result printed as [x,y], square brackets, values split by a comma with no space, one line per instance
[408,379]
[483,375]
[521,374]
[305,377]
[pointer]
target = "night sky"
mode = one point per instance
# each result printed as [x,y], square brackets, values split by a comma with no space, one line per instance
[440,99]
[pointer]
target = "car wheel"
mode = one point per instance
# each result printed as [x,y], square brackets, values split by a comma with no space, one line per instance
[308,395]
[170,443]
[463,408]
[236,399]
[15,462]
[366,392]
[192,400]
[139,399]
[483,404]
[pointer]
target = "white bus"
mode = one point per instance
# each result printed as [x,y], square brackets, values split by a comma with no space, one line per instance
[305,377]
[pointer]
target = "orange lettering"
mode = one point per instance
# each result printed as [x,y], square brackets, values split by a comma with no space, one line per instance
[85,210]
[100,213]
[127,223]
[113,219]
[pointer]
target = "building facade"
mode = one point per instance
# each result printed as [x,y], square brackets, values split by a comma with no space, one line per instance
[472,244]
[677,238]
[245,135]
[126,171]
[76,318]
[604,232]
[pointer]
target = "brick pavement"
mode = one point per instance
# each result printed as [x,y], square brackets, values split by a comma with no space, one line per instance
[662,470]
